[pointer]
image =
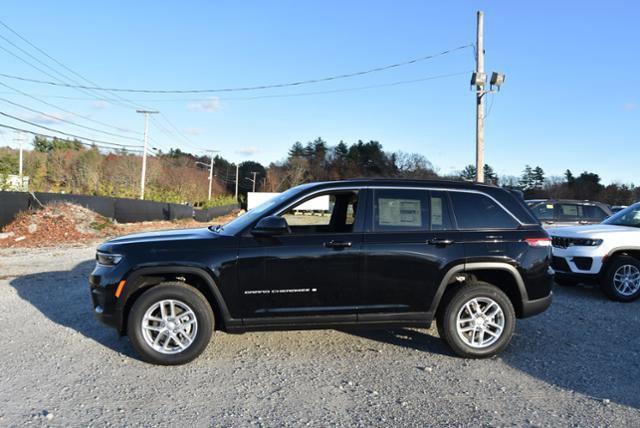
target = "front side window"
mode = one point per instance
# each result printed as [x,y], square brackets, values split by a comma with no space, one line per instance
[477,211]
[326,213]
[542,210]
[570,212]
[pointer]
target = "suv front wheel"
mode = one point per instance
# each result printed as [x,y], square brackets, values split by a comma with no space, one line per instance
[170,324]
[478,321]
[622,280]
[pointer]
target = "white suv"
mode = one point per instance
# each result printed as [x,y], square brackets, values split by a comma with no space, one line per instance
[607,253]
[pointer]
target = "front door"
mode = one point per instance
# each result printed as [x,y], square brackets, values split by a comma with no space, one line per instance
[313,270]
[408,244]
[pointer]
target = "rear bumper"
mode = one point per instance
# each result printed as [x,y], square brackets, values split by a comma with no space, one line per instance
[534,307]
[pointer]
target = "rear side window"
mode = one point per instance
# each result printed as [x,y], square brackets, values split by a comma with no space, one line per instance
[410,210]
[476,211]
[594,212]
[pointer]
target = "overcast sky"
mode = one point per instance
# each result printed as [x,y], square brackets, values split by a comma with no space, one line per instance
[571,97]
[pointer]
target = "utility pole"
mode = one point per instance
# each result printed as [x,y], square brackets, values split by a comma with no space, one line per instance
[20,140]
[144,152]
[237,170]
[479,80]
[211,171]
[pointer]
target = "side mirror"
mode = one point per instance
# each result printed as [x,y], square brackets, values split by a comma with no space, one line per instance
[271,226]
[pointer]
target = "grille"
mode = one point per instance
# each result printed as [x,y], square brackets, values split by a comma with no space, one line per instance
[559,242]
[560,264]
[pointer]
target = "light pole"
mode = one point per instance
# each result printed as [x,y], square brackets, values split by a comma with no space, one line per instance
[253,180]
[144,152]
[211,170]
[479,80]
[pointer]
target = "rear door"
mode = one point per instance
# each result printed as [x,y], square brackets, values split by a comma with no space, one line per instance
[490,231]
[408,245]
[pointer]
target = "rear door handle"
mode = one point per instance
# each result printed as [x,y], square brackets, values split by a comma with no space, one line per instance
[440,242]
[337,244]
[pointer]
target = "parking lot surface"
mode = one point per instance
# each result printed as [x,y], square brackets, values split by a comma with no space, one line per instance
[578,364]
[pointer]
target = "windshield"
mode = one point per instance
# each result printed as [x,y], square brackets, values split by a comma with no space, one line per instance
[254,214]
[627,217]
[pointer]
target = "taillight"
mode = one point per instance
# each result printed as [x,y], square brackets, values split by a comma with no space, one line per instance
[538,242]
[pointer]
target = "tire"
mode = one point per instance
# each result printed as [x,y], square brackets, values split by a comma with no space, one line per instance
[487,297]
[170,339]
[626,267]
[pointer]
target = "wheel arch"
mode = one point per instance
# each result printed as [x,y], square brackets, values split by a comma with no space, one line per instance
[502,275]
[142,279]
[619,251]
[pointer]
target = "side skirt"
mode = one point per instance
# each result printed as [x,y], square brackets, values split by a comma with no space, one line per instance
[318,322]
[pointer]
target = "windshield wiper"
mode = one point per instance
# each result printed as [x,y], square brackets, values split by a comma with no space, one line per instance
[217,228]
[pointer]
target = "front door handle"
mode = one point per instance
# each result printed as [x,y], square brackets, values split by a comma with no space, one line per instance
[440,242]
[337,244]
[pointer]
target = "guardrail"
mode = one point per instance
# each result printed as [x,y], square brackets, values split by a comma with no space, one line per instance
[120,209]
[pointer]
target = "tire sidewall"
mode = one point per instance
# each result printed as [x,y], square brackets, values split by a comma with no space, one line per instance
[465,294]
[608,286]
[178,291]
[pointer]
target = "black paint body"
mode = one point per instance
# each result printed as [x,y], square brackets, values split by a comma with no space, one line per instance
[329,278]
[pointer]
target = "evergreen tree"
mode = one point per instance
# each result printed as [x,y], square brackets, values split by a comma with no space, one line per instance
[538,177]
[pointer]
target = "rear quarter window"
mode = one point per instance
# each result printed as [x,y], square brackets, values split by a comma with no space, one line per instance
[477,211]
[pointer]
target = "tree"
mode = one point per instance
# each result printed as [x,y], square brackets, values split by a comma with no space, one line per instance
[489,175]
[468,173]
[296,150]
[526,180]
[538,178]
[569,177]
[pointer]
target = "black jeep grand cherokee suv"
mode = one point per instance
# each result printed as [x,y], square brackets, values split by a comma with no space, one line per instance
[323,255]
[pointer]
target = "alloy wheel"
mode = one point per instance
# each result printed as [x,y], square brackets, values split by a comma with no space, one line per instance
[626,280]
[169,326]
[480,322]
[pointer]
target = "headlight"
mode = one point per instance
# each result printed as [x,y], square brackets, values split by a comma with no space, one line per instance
[586,242]
[106,259]
[562,242]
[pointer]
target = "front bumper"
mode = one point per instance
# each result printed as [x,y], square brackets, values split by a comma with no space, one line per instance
[106,307]
[577,260]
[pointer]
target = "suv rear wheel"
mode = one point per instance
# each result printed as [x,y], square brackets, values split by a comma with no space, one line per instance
[170,324]
[478,321]
[622,281]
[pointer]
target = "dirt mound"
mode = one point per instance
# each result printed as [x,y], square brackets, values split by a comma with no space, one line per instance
[61,223]
[56,223]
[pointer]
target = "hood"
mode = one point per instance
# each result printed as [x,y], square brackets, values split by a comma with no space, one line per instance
[163,236]
[590,231]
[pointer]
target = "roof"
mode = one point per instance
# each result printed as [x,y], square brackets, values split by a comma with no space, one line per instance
[408,182]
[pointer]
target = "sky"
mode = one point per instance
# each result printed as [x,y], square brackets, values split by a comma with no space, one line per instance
[570,100]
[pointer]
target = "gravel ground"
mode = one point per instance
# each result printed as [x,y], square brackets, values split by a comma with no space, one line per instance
[578,364]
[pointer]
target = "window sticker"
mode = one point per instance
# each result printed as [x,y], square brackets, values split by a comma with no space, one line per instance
[399,212]
[436,211]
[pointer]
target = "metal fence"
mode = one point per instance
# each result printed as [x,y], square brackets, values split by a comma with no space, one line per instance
[120,209]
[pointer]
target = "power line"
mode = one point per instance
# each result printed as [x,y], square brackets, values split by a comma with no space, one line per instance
[52,136]
[68,111]
[244,88]
[66,121]
[64,133]
[64,76]
[295,94]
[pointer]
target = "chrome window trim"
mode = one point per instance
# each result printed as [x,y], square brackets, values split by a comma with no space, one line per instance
[437,189]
